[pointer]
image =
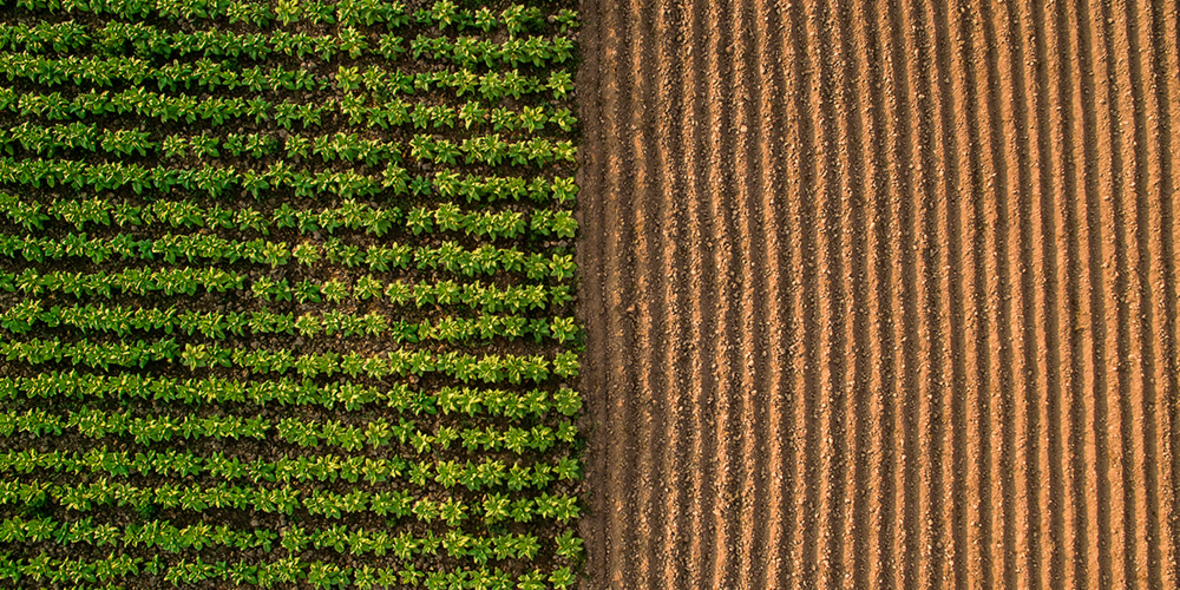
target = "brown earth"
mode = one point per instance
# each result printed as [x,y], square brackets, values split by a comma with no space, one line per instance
[881,294]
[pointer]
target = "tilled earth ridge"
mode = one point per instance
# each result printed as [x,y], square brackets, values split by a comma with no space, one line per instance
[881,294]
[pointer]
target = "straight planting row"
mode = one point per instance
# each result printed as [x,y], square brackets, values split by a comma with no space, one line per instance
[143,103]
[485,474]
[486,297]
[487,149]
[495,507]
[165,536]
[464,52]
[123,321]
[531,404]
[373,435]
[488,368]
[103,574]
[383,83]
[350,214]
[515,18]
[228,181]
[486,260]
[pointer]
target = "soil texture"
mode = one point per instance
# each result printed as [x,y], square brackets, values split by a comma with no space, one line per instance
[881,294]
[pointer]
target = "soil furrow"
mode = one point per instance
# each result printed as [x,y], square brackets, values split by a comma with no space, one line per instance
[881,294]
[883,308]
[704,289]
[715,348]
[624,328]
[832,312]
[662,361]
[1126,203]
[619,450]
[1069,406]
[801,568]
[1167,28]
[953,110]
[731,263]
[591,179]
[856,250]
[1088,444]
[681,234]
[974,416]
[814,401]
[1160,432]
[1043,441]
[1012,255]
[996,400]
[1150,331]
[928,424]
[907,542]
[1109,332]
[757,309]
[782,320]
[647,311]
[1139,415]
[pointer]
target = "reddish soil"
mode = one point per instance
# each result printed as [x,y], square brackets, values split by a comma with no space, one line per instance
[881,294]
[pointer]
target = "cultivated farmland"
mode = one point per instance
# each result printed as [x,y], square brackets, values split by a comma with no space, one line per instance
[876,294]
[881,294]
[286,294]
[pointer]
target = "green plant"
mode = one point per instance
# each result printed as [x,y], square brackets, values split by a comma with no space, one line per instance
[216,209]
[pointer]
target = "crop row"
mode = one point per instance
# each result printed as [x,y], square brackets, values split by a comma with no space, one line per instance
[319,575]
[489,368]
[145,281]
[145,40]
[351,147]
[212,76]
[218,181]
[207,75]
[122,321]
[352,215]
[495,508]
[165,536]
[486,474]
[448,400]
[515,18]
[209,72]
[222,112]
[385,113]
[375,434]
[485,260]
[486,297]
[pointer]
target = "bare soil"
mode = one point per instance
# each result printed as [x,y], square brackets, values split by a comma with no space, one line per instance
[881,294]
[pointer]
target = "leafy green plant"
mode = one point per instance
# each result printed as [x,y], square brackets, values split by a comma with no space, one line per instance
[215,208]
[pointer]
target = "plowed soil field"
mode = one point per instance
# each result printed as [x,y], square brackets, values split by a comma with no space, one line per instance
[881,294]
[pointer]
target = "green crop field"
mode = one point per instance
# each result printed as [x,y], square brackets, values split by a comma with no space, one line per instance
[286,294]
